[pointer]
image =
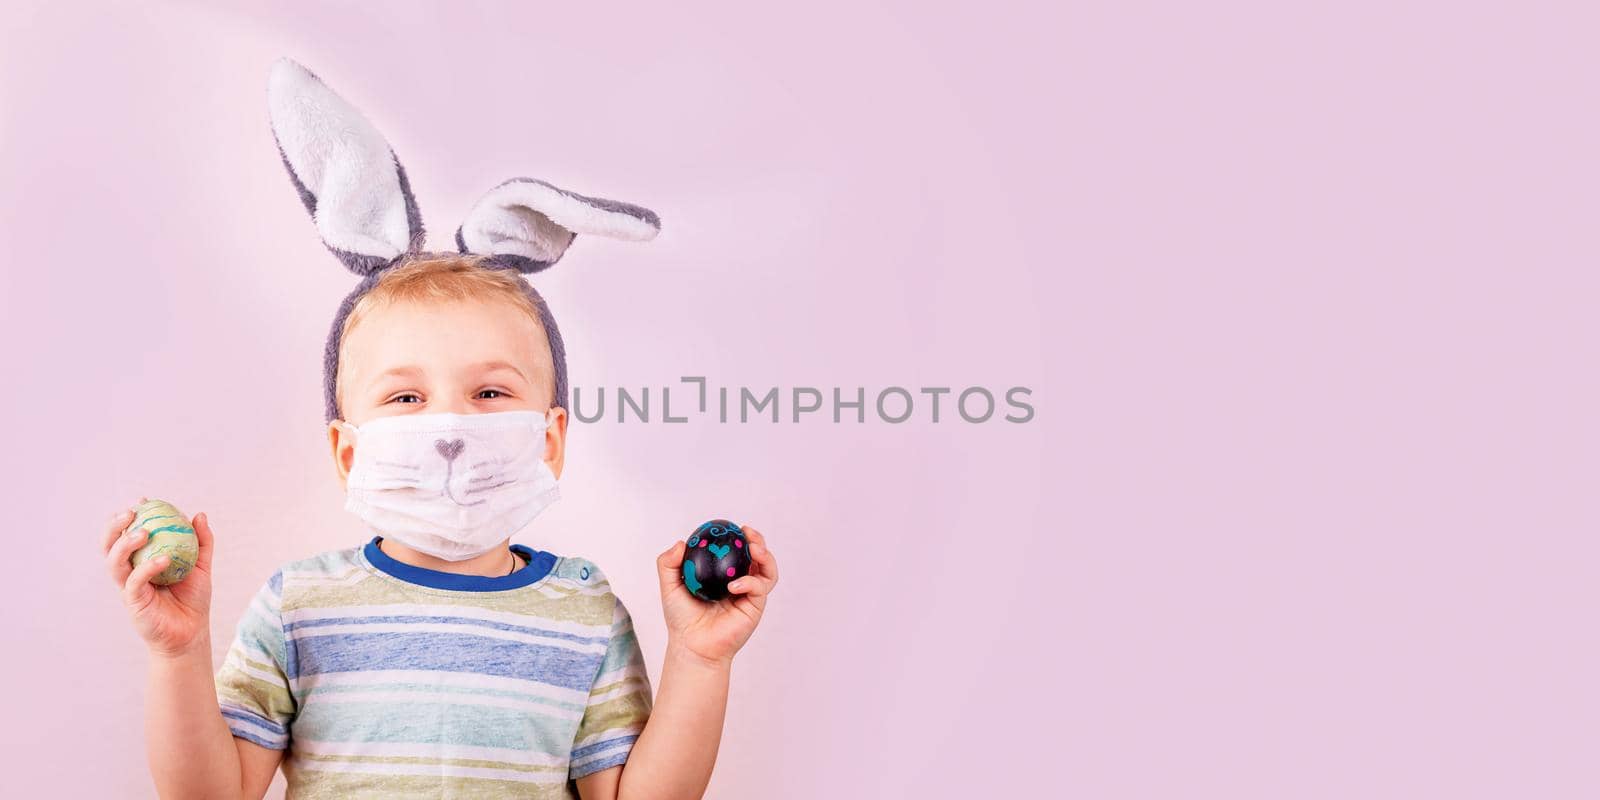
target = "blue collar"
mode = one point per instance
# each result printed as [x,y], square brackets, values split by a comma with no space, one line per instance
[539,565]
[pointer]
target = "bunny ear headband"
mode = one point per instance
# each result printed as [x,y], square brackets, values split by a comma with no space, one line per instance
[358,196]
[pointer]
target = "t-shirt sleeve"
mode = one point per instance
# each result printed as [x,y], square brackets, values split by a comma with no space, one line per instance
[253,683]
[618,705]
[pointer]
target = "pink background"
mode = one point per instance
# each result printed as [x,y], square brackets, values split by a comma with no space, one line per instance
[1306,298]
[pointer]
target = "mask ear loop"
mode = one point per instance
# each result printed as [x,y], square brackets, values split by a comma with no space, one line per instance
[354,430]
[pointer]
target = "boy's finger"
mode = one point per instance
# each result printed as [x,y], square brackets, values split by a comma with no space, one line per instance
[115,526]
[765,562]
[117,557]
[202,533]
[137,589]
[752,585]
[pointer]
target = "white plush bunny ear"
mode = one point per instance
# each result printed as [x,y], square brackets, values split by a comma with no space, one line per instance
[528,223]
[346,174]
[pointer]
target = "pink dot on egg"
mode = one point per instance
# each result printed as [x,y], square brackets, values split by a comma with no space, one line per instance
[730,572]
[738,543]
[703,542]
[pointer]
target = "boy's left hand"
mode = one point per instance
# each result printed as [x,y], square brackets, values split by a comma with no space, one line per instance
[715,631]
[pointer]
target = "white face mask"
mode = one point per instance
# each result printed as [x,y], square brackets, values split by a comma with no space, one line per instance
[450,485]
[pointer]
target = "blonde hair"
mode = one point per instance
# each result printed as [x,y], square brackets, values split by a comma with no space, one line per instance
[445,277]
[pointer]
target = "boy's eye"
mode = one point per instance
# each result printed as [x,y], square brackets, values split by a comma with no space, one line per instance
[410,397]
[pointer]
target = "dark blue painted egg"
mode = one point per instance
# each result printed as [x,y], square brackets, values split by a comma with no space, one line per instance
[717,555]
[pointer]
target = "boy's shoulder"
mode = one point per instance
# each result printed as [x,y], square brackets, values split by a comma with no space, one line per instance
[581,574]
[337,566]
[582,582]
[334,564]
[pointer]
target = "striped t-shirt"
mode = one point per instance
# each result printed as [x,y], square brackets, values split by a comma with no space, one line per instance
[382,679]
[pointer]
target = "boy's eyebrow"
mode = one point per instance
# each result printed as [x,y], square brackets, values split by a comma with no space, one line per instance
[482,366]
[489,366]
[397,371]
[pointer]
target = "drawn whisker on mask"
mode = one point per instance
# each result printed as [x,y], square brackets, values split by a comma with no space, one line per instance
[476,489]
[396,464]
[481,479]
[494,461]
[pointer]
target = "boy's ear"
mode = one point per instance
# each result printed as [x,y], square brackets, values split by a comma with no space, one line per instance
[529,223]
[347,176]
[344,451]
[555,440]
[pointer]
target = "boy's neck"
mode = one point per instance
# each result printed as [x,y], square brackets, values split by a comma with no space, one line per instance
[498,561]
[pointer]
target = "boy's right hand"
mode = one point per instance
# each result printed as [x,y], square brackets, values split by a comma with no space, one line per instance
[170,619]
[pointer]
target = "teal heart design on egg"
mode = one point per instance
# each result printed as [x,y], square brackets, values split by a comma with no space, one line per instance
[719,550]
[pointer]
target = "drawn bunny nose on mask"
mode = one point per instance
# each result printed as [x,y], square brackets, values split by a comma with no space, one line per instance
[449,449]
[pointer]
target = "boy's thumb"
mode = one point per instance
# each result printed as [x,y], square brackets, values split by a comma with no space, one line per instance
[667,563]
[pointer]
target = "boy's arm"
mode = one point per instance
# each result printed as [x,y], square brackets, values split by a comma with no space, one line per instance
[257,766]
[191,750]
[674,754]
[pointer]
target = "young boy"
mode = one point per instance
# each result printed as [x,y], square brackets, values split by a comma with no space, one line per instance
[437,659]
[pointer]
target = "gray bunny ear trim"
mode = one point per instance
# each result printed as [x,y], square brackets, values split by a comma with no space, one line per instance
[346,174]
[529,224]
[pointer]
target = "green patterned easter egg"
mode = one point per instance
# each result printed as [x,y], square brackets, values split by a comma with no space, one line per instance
[170,534]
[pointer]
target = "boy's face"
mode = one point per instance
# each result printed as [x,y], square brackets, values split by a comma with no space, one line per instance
[465,357]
